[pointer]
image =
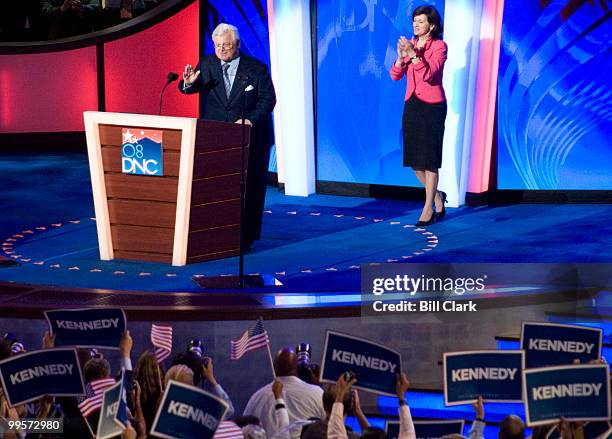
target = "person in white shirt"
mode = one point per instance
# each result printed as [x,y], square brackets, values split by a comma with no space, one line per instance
[302,401]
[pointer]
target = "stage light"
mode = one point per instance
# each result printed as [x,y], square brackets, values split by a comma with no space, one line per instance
[460,33]
[294,118]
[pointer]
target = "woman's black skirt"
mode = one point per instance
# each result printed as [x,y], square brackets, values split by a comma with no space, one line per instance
[423,131]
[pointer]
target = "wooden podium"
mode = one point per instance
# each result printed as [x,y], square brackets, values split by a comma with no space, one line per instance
[190,213]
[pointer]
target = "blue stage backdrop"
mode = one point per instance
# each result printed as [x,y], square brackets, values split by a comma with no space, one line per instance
[359,108]
[251,19]
[554,113]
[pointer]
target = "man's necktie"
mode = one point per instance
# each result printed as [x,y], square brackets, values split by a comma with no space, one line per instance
[226,80]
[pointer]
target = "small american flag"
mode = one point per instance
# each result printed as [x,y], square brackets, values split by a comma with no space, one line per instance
[161,337]
[94,395]
[253,338]
[228,430]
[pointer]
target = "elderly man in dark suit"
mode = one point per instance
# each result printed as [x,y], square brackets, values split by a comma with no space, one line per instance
[226,77]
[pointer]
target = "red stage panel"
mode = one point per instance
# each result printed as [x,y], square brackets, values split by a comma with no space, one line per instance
[136,67]
[48,91]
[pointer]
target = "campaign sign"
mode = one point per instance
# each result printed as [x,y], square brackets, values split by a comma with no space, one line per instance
[578,393]
[95,327]
[107,426]
[29,376]
[551,344]
[142,152]
[427,429]
[188,412]
[494,375]
[374,365]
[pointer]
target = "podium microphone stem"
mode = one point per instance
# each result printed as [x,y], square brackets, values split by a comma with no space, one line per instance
[161,98]
[242,193]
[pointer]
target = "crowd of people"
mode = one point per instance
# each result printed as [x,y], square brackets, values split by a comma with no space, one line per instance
[38,20]
[289,407]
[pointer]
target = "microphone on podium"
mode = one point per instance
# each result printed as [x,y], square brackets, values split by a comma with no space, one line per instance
[172,76]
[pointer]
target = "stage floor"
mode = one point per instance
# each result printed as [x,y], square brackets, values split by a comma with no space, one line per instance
[310,245]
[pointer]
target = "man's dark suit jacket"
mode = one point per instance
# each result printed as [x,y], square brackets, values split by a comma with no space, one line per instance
[260,102]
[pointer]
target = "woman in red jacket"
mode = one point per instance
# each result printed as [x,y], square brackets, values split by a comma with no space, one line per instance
[421,60]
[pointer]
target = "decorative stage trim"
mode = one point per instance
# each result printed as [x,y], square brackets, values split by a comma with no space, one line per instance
[430,242]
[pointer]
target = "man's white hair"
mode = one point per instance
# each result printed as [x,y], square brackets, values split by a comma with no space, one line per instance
[224,27]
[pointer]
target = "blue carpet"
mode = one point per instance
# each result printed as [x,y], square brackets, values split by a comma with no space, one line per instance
[311,244]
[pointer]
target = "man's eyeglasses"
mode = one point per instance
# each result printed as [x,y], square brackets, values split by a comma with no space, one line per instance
[225,46]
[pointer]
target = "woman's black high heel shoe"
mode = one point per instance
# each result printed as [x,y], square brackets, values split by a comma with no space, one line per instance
[442,213]
[432,219]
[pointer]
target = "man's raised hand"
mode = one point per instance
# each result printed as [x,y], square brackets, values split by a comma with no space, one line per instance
[343,386]
[189,75]
[401,385]
[277,389]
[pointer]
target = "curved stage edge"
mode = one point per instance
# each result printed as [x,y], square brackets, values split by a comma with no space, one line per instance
[30,301]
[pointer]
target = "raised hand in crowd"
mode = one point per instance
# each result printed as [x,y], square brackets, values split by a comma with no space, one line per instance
[280,410]
[8,414]
[479,408]
[336,428]
[361,418]
[125,345]
[16,412]
[343,385]
[477,430]
[401,386]
[208,370]
[565,429]
[48,341]
[406,425]
[277,389]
